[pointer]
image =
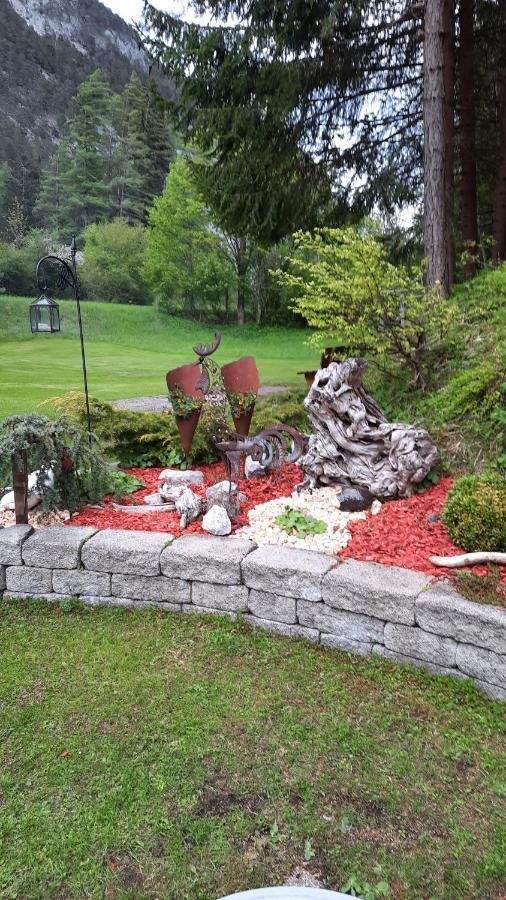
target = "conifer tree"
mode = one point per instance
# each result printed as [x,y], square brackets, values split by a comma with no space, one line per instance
[75,186]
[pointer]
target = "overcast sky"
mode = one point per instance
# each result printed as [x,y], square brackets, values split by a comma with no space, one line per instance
[132,9]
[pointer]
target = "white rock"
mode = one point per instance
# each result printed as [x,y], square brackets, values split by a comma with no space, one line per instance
[169,492]
[227,495]
[178,477]
[252,468]
[322,504]
[216,521]
[188,506]
[7,501]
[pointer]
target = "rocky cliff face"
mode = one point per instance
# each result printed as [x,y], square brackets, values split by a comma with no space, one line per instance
[47,48]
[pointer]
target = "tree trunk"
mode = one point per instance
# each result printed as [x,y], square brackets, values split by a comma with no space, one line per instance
[499,220]
[437,236]
[468,193]
[241,300]
[20,488]
[259,287]
[449,125]
[242,264]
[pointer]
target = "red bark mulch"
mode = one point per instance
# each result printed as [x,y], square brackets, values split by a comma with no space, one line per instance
[258,490]
[401,535]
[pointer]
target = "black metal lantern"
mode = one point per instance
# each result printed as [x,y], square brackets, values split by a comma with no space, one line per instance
[44,315]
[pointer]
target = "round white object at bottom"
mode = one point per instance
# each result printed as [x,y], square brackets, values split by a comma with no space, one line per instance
[287,893]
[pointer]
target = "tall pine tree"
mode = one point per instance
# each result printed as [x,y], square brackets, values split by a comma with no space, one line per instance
[112,159]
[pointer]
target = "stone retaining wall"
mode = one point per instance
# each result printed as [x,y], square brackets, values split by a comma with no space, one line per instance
[362,608]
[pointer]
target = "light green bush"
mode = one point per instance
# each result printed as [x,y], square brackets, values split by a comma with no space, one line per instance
[475,513]
[113,260]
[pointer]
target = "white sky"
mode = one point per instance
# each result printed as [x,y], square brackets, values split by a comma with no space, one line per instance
[131,10]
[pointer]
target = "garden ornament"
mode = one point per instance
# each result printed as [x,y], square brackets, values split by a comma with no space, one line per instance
[353,444]
[270,449]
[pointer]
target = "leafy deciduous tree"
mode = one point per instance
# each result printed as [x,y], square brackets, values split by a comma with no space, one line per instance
[186,262]
[113,260]
[344,286]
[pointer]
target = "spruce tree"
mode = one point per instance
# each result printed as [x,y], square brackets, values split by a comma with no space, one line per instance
[143,151]
[75,188]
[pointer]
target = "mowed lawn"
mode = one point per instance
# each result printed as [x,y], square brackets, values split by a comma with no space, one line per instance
[129,350]
[147,754]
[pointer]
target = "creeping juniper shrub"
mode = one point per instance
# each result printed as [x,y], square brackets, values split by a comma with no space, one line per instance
[151,439]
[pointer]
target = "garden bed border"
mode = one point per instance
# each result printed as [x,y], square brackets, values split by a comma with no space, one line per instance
[359,607]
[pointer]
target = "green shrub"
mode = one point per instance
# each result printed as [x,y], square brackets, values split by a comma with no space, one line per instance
[113,259]
[61,447]
[17,265]
[152,439]
[475,513]
[286,408]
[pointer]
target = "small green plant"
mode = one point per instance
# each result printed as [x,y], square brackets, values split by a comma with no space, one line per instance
[475,512]
[363,889]
[295,522]
[122,483]
[429,481]
[274,832]
[309,850]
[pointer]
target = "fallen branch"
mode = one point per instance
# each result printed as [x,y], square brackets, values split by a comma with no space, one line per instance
[468,559]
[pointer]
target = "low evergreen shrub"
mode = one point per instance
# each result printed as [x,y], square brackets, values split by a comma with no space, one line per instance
[144,440]
[80,473]
[475,513]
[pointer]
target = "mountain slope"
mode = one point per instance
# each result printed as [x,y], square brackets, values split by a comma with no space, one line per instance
[47,48]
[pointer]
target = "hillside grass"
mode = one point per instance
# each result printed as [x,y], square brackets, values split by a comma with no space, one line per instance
[147,754]
[129,349]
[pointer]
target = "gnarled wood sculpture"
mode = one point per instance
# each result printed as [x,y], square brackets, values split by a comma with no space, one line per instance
[354,444]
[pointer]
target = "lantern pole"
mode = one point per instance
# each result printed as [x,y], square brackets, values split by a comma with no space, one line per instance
[73,251]
[67,277]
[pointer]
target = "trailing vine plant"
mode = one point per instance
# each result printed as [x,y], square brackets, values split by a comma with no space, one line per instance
[58,447]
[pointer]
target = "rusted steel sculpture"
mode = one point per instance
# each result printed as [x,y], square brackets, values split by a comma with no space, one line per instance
[241,381]
[354,444]
[203,351]
[270,448]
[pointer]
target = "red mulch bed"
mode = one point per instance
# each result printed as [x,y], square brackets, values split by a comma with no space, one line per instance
[401,535]
[258,490]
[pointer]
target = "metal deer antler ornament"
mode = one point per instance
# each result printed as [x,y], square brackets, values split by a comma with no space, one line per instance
[204,351]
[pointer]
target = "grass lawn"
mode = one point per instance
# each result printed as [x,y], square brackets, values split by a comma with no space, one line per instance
[146,754]
[129,350]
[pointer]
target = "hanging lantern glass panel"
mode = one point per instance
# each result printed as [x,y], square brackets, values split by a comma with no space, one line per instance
[44,315]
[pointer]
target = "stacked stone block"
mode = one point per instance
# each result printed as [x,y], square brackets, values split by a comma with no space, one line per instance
[361,608]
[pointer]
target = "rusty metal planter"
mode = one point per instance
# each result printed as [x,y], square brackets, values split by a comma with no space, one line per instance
[187,378]
[241,377]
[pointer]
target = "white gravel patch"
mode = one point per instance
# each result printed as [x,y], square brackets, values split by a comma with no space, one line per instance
[322,504]
[36,517]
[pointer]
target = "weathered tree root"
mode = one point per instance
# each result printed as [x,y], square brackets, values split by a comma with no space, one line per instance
[468,559]
[354,444]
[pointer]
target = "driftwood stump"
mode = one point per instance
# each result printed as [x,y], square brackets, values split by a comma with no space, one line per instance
[354,444]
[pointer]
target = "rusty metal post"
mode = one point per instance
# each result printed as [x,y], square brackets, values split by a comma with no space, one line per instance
[20,488]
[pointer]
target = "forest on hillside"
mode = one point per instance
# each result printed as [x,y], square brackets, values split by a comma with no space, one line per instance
[292,118]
